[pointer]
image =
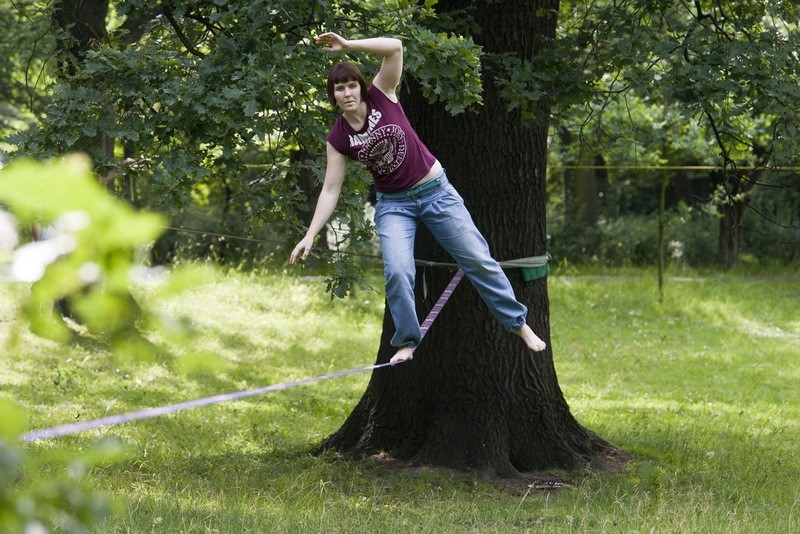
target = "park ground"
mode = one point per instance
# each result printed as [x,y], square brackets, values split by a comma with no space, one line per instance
[700,389]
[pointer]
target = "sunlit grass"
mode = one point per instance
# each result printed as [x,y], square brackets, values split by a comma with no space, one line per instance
[703,389]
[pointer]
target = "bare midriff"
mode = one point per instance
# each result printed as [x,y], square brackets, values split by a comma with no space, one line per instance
[435,171]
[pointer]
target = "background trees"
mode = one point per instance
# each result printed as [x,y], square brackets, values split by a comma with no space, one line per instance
[684,83]
[637,82]
[25,47]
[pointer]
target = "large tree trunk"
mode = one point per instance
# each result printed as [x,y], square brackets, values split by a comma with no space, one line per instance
[474,397]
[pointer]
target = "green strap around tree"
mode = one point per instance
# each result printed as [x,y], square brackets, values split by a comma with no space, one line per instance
[532,268]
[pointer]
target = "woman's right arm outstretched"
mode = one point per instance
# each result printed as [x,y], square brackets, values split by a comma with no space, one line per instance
[391,49]
[328,198]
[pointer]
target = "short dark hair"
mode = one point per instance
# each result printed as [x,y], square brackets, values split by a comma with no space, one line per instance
[342,73]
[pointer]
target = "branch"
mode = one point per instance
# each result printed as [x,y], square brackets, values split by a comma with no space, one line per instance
[189,46]
[726,159]
[772,221]
[205,21]
[700,15]
[29,63]
[775,239]
[134,28]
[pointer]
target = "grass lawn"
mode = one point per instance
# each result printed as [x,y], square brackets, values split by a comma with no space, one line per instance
[702,389]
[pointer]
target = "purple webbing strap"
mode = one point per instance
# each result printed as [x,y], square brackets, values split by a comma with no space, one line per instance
[443,298]
[74,428]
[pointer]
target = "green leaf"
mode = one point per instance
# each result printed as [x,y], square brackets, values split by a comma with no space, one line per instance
[12,420]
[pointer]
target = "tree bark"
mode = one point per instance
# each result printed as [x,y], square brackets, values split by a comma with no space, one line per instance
[731,233]
[84,22]
[731,224]
[474,397]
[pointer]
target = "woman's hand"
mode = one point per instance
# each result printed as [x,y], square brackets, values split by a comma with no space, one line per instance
[332,42]
[326,203]
[302,249]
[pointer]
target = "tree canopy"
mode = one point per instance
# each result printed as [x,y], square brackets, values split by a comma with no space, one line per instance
[177,102]
[188,94]
[730,67]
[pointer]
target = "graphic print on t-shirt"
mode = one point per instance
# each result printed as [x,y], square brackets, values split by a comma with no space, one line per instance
[360,139]
[383,149]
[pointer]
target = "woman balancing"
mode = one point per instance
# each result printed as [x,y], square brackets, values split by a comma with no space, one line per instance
[411,188]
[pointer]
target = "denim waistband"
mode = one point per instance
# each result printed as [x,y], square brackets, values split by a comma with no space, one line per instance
[417,189]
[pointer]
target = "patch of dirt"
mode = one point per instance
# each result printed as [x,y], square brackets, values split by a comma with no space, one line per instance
[608,461]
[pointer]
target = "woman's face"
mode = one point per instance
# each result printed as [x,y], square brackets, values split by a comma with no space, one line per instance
[347,95]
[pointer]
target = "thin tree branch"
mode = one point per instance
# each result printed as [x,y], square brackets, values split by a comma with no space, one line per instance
[189,46]
[133,28]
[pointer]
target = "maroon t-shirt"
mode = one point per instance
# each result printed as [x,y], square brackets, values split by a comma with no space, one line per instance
[387,144]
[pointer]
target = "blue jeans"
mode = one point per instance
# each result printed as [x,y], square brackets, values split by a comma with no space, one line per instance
[441,209]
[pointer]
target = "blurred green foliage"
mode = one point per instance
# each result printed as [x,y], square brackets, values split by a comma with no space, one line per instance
[58,502]
[95,236]
[84,261]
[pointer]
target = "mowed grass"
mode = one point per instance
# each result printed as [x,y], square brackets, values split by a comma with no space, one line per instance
[702,389]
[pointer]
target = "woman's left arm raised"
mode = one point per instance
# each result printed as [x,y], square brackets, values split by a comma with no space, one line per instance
[388,78]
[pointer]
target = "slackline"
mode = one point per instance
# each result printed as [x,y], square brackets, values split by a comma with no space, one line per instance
[74,428]
[532,268]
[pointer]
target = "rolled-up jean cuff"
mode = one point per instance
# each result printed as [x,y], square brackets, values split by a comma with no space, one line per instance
[517,325]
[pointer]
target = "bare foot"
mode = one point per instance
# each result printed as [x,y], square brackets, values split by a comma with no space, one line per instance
[531,339]
[406,353]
